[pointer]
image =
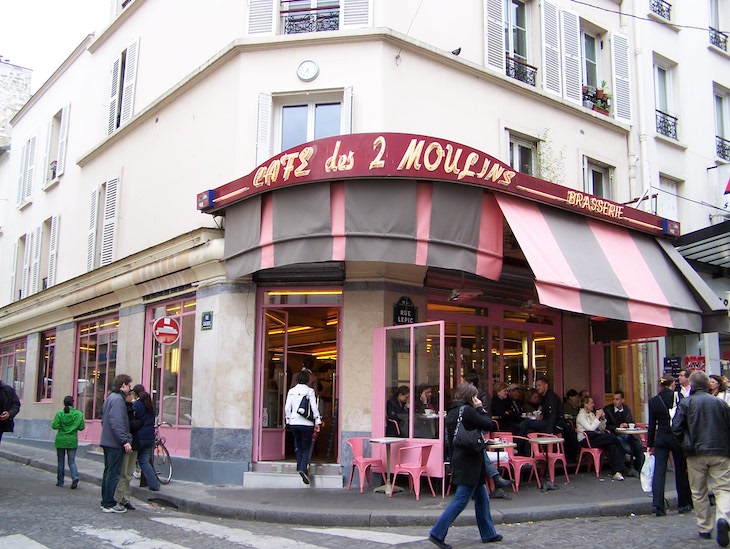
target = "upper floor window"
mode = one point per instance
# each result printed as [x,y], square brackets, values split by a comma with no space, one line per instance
[522,155]
[662,8]
[103,213]
[306,16]
[123,81]
[717,38]
[666,122]
[26,173]
[668,199]
[12,365]
[722,124]
[515,29]
[34,260]
[598,179]
[55,157]
[299,16]
[20,271]
[45,366]
[590,60]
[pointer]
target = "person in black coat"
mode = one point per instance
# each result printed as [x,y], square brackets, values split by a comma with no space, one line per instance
[9,408]
[660,441]
[467,469]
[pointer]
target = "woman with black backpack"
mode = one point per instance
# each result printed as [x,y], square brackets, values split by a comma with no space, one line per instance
[302,416]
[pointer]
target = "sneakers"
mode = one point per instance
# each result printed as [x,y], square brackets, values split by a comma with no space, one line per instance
[129,506]
[116,509]
[305,477]
[74,484]
[722,532]
[617,476]
[685,509]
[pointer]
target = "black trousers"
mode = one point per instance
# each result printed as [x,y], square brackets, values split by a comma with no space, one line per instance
[610,442]
[664,444]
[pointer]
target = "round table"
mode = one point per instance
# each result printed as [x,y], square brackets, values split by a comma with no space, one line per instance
[627,431]
[543,443]
[498,446]
[388,486]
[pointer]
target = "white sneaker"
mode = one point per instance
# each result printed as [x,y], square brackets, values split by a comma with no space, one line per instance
[116,509]
[617,476]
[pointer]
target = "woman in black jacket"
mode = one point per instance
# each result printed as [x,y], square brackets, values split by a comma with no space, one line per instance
[467,469]
[660,441]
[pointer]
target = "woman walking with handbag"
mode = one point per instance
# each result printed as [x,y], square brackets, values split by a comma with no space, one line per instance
[467,468]
[660,441]
[302,416]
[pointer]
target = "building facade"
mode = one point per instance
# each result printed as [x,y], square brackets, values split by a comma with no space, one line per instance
[114,158]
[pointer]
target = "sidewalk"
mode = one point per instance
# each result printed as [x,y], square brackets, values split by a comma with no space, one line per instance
[584,496]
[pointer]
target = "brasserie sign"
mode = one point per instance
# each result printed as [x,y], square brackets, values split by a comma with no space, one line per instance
[383,156]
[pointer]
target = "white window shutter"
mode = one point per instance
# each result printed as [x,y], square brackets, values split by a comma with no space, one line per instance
[261,16]
[621,77]
[26,265]
[551,48]
[114,97]
[109,223]
[91,235]
[35,271]
[355,13]
[572,83]
[346,112]
[130,81]
[47,157]
[21,178]
[12,272]
[494,50]
[52,251]
[30,173]
[263,131]
[62,137]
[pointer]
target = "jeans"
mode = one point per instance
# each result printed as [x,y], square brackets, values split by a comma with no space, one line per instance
[145,452]
[481,508]
[664,444]
[113,458]
[61,453]
[489,466]
[633,447]
[302,441]
[122,494]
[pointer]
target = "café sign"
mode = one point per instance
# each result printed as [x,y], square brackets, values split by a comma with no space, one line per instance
[382,156]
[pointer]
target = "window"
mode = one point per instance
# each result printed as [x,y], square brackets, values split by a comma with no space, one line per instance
[666,123]
[597,179]
[103,214]
[722,125]
[97,364]
[123,80]
[667,201]
[299,16]
[54,163]
[298,119]
[717,38]
[662,8]
[20,273]
[523,155]
[590,60]
[515,30]
[45,366]
[12,365]
[305,16]
[26,173]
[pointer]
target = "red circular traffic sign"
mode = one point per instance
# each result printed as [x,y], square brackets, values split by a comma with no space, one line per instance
[166,330]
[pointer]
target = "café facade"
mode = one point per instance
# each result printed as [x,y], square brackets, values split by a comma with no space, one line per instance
[389,259]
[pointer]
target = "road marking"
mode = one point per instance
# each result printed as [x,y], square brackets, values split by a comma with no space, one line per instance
[377,537]
[126,539]
[235,535]
[19,540]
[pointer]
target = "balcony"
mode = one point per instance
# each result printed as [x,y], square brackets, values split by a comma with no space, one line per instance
[723,147]
[301,20]
[661,8]
[718,39]
[666,124]
[521,71]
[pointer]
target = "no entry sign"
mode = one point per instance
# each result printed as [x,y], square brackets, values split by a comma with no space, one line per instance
[166,330]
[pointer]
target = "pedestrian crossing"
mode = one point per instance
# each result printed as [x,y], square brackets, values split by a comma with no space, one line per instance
[132,539]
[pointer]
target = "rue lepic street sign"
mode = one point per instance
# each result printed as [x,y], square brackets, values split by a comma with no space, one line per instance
[404,312]
[166,330]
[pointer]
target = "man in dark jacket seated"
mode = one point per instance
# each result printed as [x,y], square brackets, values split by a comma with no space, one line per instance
[618,415]
[553,419]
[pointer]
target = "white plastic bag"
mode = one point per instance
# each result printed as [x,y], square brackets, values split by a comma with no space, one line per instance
[647,472]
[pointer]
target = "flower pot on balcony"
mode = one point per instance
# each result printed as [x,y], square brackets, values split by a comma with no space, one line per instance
[587,104]
[601,110]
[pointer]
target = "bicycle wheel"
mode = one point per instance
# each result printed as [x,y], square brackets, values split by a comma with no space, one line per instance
[162,464]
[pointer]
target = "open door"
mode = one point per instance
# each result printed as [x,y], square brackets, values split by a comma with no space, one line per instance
[276,385]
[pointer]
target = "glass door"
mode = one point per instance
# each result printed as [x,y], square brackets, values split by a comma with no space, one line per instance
[276,384]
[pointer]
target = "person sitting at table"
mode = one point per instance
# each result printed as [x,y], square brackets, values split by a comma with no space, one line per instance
[618,415]
[592,425]
[396,412]
[571,405]
[552,420]
[473,378]
[507,409]
[532,402]
[424,401]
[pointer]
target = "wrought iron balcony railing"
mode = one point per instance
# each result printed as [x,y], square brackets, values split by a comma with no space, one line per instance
[521,71]
[661,8]
[297,21]
[723,147]
[666,124]
[718,39]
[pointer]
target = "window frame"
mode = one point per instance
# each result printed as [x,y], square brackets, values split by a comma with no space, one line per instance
[515,141]
[103,218]
[584,58]
[26,175]
[663,90]
[509,30]
[17,349]
[54,164]
[591,165]
[86,332]
[311,102]
[46,358]
[123,84]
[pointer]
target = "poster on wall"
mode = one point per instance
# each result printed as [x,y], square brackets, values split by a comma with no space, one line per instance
[672,365]
[692,362]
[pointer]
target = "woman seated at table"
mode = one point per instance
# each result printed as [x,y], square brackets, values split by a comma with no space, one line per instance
[396,411]
[424,402]
[506,409]
[592,425]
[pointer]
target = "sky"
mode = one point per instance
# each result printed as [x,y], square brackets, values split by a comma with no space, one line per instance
[41,34]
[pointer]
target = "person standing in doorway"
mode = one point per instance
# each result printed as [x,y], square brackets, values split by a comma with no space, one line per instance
[68,422]
[116,440]
[301,427]
[702,426]
[145,412]
[9,408]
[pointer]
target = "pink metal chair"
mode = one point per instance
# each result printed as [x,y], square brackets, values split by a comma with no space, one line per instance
[363,464]
[413,461]
[518,462]
[553,453]
[596,453]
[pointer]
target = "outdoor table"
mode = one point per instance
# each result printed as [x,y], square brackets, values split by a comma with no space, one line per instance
[498,447]
[387,441]
[628,431]
[543,443]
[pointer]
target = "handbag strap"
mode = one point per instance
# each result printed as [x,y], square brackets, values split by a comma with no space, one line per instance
[458,421]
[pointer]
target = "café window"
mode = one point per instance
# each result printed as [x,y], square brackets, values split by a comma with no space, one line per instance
[96,345]
[45,366]
[12,365]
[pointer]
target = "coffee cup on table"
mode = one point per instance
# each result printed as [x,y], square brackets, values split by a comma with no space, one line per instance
[632,425]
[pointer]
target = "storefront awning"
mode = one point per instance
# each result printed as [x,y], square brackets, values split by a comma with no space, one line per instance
[595,268]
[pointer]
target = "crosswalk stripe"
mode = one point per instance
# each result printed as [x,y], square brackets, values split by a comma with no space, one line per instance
[20,541]
[377,537]
[126,539]
[235,535]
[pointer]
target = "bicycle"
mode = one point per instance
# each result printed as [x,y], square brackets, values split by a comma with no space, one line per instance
[161,461]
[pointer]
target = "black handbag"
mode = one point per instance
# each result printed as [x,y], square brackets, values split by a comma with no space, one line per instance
[465,440]
[305,408]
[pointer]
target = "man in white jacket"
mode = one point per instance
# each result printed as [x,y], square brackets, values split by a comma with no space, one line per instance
[303,420]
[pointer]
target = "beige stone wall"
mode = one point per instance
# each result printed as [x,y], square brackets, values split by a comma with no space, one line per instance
[576,337]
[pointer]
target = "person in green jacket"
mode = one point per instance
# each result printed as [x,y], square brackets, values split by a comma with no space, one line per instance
[68,422]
